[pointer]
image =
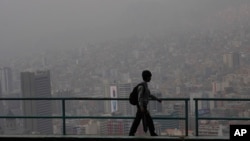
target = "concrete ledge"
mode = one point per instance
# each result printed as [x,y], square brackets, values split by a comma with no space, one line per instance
[104,138]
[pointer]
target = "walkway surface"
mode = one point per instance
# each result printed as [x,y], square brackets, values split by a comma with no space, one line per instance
[105,138]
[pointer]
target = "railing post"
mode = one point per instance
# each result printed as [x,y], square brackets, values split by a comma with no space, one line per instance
[63,117]
[186,114]
[196,118]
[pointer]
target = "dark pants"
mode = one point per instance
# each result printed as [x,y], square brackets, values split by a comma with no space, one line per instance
[136,122]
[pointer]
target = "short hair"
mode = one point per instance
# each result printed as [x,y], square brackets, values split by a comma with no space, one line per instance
[146,73]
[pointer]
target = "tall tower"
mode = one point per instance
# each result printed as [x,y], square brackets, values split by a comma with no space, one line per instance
[6,80]
[231,60]
[37,84]
[1,109]
[179,111]
[124,89]
[110,91]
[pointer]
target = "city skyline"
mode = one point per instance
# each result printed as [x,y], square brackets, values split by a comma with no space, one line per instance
[59,49]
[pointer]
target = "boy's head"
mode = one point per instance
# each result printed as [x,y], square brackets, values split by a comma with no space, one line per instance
[146,75]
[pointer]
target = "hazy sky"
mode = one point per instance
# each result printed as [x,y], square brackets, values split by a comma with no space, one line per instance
[27,25]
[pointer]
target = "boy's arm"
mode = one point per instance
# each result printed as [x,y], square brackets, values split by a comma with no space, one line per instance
[140,97]
[155,98]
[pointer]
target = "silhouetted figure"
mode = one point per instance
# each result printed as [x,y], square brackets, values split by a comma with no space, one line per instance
[142,112]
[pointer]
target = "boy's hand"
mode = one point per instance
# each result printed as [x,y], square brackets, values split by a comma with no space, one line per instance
[159,100]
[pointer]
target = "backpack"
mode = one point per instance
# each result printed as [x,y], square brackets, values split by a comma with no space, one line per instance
[133,97]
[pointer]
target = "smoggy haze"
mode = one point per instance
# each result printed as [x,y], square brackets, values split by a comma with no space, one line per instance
[34,25]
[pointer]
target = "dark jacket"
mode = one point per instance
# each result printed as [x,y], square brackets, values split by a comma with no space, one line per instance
[144,95]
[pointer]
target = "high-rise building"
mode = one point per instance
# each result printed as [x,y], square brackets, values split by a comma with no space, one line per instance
[57,104]
[5,88]
[107,104]
[37,84]
[124,89]
[6,80]
[231,60]
[1,109]
[120,90]
[179,111]
[110,106]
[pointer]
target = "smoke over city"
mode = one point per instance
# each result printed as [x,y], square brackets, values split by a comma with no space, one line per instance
[99,48]
[31,26]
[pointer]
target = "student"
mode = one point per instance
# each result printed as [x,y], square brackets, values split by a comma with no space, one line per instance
[142,112]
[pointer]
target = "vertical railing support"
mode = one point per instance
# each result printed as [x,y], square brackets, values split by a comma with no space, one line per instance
[186,116]
[196,118]
[63,117]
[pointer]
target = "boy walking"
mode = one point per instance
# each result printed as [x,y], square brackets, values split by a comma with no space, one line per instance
[142,112]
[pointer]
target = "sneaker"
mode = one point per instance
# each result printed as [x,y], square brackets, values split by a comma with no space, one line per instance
[154,134]
[131,134]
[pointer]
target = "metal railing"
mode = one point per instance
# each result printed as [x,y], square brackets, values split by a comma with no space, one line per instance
[197,118]
[64,117]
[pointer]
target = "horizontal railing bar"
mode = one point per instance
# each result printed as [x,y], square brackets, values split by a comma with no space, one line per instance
[221,118]
[94,117]
[30,116]
[223,99]
[64,117]
[85,98]
[130,117]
